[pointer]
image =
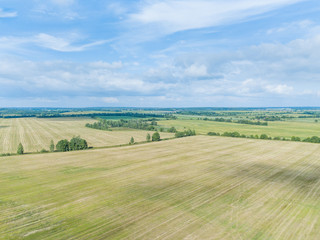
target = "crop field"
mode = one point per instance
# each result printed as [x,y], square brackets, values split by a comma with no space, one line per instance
[287,129]
[36,133]
[189,188]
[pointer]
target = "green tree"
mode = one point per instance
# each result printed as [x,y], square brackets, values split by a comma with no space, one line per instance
[77,143]
[63,146]
[51,146]
[131,140]
[148,138]
[156,137]
[263,136]
[172,130]
[20,149]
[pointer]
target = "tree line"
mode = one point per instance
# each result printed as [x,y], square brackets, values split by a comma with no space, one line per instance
[104,124]
[241,121]
[313,139]
[76,143]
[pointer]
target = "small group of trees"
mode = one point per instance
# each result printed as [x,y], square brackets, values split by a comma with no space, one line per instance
[185,133]
[155,137]
[76,143]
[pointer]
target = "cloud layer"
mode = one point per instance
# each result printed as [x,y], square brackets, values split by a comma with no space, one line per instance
[160,53]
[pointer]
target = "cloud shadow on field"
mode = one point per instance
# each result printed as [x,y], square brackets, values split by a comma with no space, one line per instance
[303,176]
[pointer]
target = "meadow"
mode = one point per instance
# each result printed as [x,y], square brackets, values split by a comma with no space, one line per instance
[36,133]
[198,187]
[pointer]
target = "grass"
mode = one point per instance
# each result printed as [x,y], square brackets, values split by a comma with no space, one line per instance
[190,188]
[36,133]
[286,129]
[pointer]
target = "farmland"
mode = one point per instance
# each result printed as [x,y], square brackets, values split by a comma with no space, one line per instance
[35,133]
[194,188]
[287,129]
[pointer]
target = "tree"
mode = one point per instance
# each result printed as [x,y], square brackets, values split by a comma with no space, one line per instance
[263,136]
[172,130]
[20,149]
[63,146]
[156,137]
[148,138]
[77,143]
[131,140]
[51,146]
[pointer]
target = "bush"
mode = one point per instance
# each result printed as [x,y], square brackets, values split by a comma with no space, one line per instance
[179,134]
[131,141]
[231,134]
[20,149]
[43,150]
[213,134]
[156,137]
[296,139]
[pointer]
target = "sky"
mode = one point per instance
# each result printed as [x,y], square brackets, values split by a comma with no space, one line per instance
[159,53]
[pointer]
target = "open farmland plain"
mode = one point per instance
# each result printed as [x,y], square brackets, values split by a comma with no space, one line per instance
[36,133]
[189,188]
[302,128]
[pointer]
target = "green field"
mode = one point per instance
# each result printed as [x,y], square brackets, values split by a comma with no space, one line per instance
[287,129]
[36,133]
[190,188]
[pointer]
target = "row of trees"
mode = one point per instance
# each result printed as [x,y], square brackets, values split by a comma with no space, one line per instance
[313,139]
[104,124]
[186,133]
[155,137]
[241,121]
[76,143]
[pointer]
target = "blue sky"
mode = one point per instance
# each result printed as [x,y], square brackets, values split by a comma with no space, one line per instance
[152,53]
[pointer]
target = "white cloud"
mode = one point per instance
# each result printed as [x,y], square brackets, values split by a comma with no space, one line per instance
[7,14]
[62,44]
[279,89]
[110,100]
[178,15]
[66,44]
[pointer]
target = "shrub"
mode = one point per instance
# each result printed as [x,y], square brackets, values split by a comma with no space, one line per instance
[297,139]
[179,134]
[213,134]
[131,141]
